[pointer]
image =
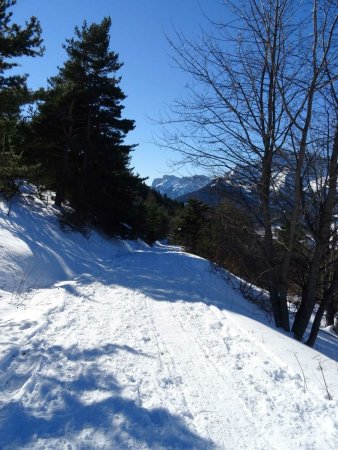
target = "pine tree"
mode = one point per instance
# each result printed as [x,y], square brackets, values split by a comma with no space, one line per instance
[86,140]
[15,41]
[50,137]
[190,225]
[12,167]
[156,220]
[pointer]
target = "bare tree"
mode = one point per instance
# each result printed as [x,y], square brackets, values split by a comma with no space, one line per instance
[323,229]
[256,82]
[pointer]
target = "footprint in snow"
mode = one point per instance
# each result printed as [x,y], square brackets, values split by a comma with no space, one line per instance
[216,325]
[170,381]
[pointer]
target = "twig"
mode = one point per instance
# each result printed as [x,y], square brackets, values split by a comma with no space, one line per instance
[301,368]
[329,396]
[17,293]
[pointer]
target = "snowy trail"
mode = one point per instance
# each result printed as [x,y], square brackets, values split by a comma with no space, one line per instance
[205,392]
[137,359]
[151,350]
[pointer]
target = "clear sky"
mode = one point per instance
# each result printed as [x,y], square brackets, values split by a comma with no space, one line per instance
[138,34]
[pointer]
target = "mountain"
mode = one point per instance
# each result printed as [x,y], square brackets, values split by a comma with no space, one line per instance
[111,344]
[217,190]
[232,186]
[240,184]
[175,187]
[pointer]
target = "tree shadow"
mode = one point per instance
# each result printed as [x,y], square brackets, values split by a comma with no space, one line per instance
[84,408]
[179,276]
[46,254]
[61,257]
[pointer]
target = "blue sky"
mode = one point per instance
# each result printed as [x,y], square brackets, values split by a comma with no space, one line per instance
[138,34]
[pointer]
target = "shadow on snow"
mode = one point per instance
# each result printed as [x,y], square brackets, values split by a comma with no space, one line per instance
[179,276]
[72,409]
[176,277]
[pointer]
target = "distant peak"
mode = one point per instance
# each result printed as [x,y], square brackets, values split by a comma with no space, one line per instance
[174,186]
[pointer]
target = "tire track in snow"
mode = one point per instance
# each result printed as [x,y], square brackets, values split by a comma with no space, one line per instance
[264,395]
[207,394]
[187,358]
[168,393]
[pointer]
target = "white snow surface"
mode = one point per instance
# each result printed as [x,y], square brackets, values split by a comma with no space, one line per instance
[111,344]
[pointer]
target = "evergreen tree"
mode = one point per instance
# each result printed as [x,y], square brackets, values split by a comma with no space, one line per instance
[12,169]
[51,136]
[15,41]
[80,128]
[192,226]
[156,218]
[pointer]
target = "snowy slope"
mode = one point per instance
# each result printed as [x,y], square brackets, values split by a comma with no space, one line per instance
[175,187]
[121,346]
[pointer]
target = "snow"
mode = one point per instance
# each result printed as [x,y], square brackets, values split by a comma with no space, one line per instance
[175,187]
[111,344]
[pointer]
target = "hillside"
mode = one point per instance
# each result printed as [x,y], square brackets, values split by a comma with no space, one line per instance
[110,344]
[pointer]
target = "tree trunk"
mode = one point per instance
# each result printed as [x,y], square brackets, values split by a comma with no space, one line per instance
[60,194]
[280,319]
[316,324]
[304,313]
[328,298]
[331,310]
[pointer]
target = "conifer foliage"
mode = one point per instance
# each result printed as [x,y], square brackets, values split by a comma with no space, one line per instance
[15,41]
[79,131]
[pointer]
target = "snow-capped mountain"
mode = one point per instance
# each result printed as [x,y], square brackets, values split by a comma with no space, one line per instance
[240,183]
[175,187]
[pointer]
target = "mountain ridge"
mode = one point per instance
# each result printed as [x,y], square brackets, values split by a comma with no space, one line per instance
[174,187]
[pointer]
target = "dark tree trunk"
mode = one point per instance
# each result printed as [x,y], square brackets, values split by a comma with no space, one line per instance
[328,298]
[304,313]
[331,311]
[316,324]
[60,194]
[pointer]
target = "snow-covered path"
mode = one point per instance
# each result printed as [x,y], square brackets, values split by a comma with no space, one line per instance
[153,350]
[108,344]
